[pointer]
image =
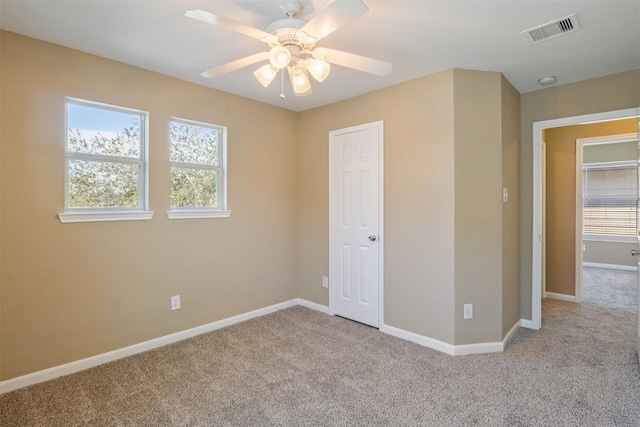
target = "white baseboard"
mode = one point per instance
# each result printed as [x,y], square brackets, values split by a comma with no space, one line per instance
[526,323]
[488,347]
[90,362]
[512,332]
[453,350]
[611,266]
[312,305]
[419,339]
[485,347]
[561,297]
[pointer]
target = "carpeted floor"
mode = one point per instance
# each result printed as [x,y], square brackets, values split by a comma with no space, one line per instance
[611,288]
[300,367]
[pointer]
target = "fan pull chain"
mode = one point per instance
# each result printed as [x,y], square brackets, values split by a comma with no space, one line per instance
[282,84]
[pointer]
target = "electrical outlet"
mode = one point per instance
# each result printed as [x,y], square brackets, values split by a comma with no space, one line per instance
[175,302]
[325,282]
[505,195]
[468,311]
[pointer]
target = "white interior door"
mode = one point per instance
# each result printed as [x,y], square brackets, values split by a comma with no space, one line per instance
[356,223]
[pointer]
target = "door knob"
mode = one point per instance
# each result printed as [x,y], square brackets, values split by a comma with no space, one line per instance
[372,238]
[635,252]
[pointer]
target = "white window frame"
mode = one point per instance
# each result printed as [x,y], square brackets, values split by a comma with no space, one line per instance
[580,144]
[608,237]
[142,212]
[220,211]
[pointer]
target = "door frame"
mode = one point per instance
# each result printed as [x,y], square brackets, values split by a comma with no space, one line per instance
[537,235]
[580,144]
[379,125]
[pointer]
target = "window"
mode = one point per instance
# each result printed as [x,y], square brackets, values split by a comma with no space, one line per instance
[106,163]
[198,174]
[610,193]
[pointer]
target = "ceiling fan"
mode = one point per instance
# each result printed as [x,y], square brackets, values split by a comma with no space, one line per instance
[292,45]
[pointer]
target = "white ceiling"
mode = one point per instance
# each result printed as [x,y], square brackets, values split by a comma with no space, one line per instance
[418,37]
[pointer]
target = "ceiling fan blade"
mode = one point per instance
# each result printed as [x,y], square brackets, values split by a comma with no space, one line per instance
[334,16]
[236,65]
[351,60]
[210,18]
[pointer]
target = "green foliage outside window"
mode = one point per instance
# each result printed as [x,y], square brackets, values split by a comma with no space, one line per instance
[101,183]
[194,155]
[106,168]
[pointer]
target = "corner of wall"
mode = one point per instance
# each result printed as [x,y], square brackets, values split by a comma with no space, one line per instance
[478,207]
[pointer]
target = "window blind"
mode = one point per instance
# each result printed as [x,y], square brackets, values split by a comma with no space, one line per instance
[610,197]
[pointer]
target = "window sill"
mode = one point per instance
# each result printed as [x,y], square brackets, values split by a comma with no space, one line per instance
[608,238]
[71,217]
[197,214]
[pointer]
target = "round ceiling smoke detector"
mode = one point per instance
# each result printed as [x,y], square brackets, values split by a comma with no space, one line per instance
[546,81]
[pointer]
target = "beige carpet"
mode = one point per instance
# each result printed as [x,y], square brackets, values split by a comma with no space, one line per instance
[300,367]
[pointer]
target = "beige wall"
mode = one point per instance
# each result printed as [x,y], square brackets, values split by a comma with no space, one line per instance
[71,291]
[611,152]
[610,93]
[443,210]
[615,253]
[510,209]
[419,200]
[478,205]
[486,229]
[561,198]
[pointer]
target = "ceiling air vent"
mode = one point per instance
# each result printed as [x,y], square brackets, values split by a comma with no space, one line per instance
[552,29]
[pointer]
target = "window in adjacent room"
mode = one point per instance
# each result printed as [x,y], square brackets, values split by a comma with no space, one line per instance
[198,171]
[106,163]
[610,195]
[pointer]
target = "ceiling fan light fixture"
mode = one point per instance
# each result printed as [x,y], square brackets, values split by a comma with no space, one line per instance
[299,79]
[292,45]
[318,69]
[279,56]
[266,74]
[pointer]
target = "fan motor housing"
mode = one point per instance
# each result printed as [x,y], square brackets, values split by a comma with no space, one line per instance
[282,25]
[286,30]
